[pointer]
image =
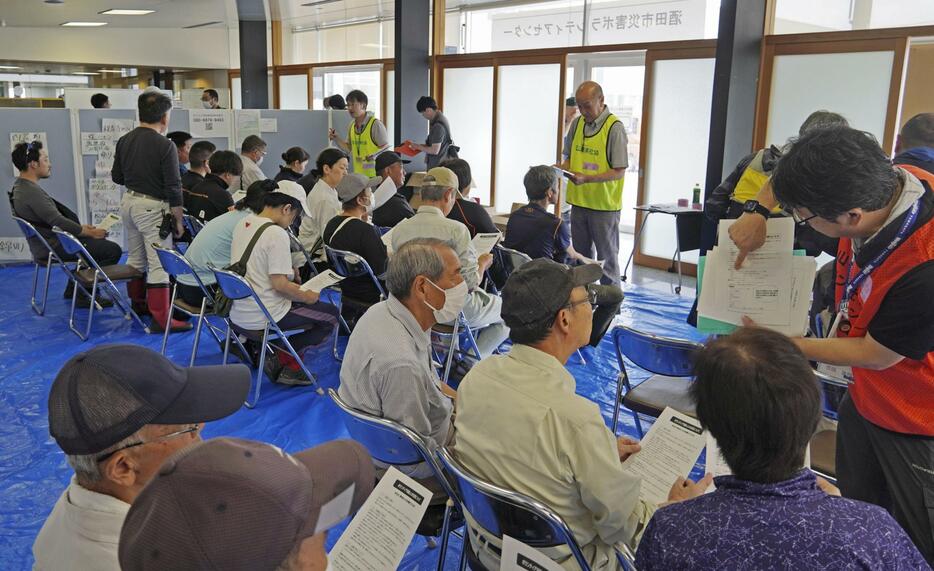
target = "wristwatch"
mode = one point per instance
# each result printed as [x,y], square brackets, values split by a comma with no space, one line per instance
[753,207]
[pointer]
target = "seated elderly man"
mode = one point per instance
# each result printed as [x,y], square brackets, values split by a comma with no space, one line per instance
[387,367]
[482,310]
[538,233]
[520,424]
[242,505]
[757,395]
[118,411]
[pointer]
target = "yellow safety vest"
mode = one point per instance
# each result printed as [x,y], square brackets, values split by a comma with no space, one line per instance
[588,156]
[753,178]
[362,146]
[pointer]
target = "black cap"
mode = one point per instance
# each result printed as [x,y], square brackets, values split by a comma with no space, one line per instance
[538,289]
[388,158]
[104,395]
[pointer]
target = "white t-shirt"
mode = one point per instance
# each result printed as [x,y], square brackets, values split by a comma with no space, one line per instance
[323,205]
[270,256]
[82,532]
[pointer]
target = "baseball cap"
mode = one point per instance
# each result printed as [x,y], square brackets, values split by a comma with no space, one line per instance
[296,191]
[415,179]
[353,184]
[538,289]
[233,504]
[388,158]
[443,177]
[106,394]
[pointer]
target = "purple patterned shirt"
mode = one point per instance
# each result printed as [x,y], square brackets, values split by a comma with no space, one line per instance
[788,525]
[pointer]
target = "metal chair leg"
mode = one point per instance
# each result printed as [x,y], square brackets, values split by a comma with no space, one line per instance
[227,344]
[619,401]
[259,371]
[450,357]
[465,545]
[337,326]
[445,532]
[168,326]
[194,346]
[40,309]
[581,357]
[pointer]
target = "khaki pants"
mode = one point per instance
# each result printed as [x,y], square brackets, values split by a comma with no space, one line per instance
[142,217]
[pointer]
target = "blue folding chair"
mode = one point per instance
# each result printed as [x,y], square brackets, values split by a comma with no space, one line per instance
[96,275]
[392,443]
[29,231]
[671,362]
[350,265]
[458,335]
[824,442]
[499,512]
[177,265]
[192,224]
[236,287]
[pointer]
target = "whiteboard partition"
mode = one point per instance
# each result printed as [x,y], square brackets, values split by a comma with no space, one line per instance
[854,84]
[295,128]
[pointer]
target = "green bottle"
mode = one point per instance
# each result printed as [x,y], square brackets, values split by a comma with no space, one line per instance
[696,199]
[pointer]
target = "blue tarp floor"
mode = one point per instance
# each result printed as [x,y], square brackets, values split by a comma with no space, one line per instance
[33,471]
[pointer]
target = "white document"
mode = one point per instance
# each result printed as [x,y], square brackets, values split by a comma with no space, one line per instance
[325,279]
[239,195]
[518,556]
[204,123]
[383,192]
[269,125]
[380,533]
[669,450]
[109,221]
[104,200]
[247,124]
[483,242]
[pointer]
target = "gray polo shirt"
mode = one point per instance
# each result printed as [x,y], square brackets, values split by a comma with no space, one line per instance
[617,145]
[387,372]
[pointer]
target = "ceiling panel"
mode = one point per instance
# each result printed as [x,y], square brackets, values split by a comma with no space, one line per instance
[168,13]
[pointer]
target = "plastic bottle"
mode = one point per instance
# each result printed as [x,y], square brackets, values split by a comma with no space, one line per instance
[696,199]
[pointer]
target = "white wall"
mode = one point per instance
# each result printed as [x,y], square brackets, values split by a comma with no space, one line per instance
[165,47]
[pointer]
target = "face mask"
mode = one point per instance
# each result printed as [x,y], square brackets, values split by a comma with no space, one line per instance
[259,161]
[206,104]
[454,300]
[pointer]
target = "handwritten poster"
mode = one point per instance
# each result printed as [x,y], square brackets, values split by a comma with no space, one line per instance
[247,124]
[95,143]
[104,199]
[209,123]
[14,248]
[17,138]
[118,127]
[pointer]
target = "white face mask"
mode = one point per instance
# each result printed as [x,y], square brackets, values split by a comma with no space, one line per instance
[259,161]
[206,104]
[454,300]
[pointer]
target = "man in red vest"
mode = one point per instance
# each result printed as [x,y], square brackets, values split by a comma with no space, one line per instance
[841,183]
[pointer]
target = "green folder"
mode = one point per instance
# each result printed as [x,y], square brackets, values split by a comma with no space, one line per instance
[715,326]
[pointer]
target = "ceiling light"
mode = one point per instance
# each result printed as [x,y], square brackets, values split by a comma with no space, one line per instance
[10,67]
[319,2]
[121,12]
[111,70]
[84,24]
[85,73]
[201,25]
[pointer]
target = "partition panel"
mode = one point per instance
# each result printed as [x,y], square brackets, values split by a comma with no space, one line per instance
[468,104]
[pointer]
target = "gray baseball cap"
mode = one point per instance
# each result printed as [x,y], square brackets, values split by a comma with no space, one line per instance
[353,184]
[538,289]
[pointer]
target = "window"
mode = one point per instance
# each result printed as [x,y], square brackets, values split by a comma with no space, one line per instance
[806,16]
[468,105]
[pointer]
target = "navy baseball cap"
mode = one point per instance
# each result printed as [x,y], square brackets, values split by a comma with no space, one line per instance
[538,289]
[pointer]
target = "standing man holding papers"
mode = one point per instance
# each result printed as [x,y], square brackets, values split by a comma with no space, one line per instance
[596,154]
[843,185]
[366,136]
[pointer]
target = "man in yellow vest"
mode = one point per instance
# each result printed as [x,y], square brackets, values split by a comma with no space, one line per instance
[596,154]
[366,136]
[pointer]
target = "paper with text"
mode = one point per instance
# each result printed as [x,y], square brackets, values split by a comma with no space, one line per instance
[518,556]
[380,533]
[669,450]
[484,242]
[319,282]
[269,125]
[209,123]
[109,221]
[248,123]
[104,197]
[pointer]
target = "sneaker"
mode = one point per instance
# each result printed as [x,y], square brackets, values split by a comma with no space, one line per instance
[293,377]
[272,366]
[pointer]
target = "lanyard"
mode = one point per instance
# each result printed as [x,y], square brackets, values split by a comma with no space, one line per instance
[853,283]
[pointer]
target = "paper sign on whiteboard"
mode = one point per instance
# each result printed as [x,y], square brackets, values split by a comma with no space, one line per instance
[209,123]
[247,124]
[104,200]
[96,143]
[269,125]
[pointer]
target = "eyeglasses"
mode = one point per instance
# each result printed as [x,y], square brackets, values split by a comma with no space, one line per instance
[591,299]
[799,221]
[163,438]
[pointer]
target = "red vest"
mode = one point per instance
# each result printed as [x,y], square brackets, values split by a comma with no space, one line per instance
[900,398]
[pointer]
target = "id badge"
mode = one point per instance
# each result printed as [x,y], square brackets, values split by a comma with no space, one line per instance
[837,371]
[370,165]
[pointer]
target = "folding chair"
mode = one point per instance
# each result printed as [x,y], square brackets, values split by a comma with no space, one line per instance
[395,444]
[334,289]
[236,287]
[499,512]
[350,265]
[176,265]
[824,442]
[671,363]
[459,334]
[192,224]
[29,231]
[94,274]
[512,260]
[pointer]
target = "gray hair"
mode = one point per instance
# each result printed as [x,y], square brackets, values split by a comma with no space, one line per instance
[822,119]
[538,181]
[433,192]
[87,468]
[418,257]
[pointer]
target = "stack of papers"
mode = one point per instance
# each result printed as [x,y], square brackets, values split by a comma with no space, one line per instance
[483,242]
[773,287]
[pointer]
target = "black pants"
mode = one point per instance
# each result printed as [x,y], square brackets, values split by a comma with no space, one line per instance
[317,320]
[609,298]
[892,470]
